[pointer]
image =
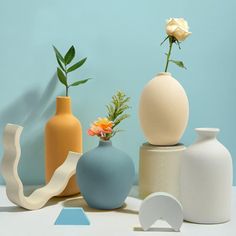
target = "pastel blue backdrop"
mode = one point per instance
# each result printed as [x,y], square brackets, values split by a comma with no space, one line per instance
[122,42]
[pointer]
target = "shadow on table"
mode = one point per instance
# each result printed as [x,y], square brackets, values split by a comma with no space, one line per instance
[12,209]
[127,211]
[27,191]
[80,202]
[74,201]
[51,202]
[154,229]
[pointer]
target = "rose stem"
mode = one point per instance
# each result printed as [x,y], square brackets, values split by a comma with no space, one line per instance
[168,55]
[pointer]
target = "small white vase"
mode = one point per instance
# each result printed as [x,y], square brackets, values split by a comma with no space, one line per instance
[159,169]
[163,110]
[206,179]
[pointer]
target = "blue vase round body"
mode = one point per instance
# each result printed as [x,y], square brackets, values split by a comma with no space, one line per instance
[105,175]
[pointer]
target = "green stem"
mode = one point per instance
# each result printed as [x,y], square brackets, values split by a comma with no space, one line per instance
[67,87]
[168,55]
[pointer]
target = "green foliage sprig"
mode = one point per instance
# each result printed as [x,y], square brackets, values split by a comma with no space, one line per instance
[64,69]
[105,128]
[116,110]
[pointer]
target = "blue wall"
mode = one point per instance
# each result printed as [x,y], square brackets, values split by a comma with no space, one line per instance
[122,42]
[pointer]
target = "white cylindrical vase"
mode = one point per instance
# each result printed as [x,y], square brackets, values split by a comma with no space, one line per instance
[206,180]
[159,169]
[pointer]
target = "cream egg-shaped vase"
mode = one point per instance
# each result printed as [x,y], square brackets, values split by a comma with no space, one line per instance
[163,110]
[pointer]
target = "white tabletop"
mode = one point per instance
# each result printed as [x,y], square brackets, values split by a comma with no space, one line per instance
[17,221]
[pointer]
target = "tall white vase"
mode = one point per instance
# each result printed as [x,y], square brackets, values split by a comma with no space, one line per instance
[163,110]
[206,179]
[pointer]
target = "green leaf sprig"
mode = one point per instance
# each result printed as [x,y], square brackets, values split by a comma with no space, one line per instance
[116,111]
[64,69]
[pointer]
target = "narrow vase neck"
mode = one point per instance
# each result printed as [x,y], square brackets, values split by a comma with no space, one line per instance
[63,105]
[103,143]
[164,73]
[206,133]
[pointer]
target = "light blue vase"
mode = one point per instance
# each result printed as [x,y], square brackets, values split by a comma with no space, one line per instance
[105,176]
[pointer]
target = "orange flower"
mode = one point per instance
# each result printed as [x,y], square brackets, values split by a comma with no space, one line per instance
[101,127]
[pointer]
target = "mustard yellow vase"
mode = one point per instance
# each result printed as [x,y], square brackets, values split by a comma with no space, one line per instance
[63,133]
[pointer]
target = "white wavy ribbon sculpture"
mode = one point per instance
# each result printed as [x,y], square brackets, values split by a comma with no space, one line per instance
[14,186]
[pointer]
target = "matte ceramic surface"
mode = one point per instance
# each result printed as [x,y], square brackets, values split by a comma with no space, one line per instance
[63,133]
[162,206]
[134,28]
[159,169]
[163,110]
[14,186]
[206,179]
[105,176]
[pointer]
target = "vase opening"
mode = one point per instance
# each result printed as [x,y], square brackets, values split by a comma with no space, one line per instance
[104,143]
[207,133]
[165,73]
[63,105]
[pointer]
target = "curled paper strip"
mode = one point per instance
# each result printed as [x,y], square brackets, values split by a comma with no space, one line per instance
[14,186]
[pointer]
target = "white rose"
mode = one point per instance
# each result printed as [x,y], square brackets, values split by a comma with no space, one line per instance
[178,28]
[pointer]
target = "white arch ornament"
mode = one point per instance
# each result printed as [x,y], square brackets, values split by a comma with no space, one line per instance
[161,205]
[14,186]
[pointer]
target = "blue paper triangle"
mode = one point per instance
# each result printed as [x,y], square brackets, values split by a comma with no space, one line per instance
[72,216]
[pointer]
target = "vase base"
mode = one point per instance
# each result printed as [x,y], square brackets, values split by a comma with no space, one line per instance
[207,222]
[171,147]
[123,205]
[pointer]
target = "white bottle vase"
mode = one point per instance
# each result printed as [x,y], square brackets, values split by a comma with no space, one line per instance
[206,179]
[163,110]
[159,169]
